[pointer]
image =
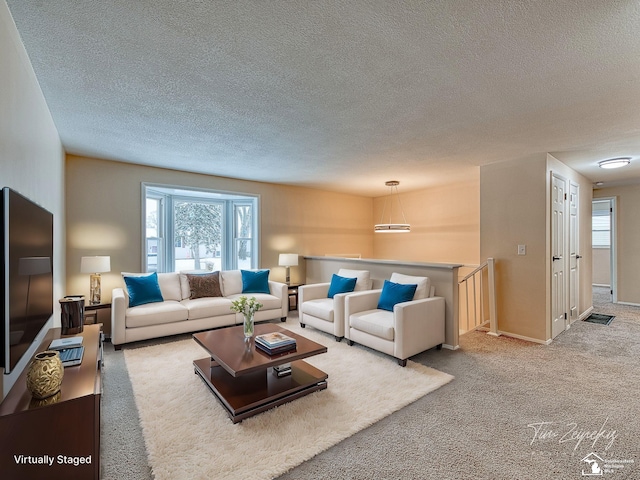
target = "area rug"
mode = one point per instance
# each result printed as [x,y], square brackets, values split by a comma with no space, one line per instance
[599,318]
[188,434]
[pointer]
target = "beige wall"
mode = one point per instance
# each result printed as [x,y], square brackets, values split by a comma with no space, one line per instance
[628,239]
[515,210]
[601,266]
[513,201]
[445,225]
[104,209]
[31,156]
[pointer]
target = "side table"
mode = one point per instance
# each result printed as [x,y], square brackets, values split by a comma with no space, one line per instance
[293,295]
[99,313]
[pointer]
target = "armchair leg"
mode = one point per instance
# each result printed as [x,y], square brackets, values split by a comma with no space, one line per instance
[302,325]
[402,363]
[439,347]
[349,342]
[283,319]
[117,347]
[338,339]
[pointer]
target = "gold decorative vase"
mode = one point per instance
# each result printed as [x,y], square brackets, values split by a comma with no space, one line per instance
[44,375]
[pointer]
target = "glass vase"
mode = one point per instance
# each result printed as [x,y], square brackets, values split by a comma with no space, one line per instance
[248,326]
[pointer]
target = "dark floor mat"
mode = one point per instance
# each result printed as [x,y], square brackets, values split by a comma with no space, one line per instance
[599,318]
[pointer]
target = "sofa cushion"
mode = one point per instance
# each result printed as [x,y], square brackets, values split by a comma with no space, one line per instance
[363,278]
[143,289]
[374,322]
[424,284]
[340,285]
[319,308]
[185,290]
[204,285]
[231,282]
[207,307]
[255,281]
[393,293]
[158,313]
[268,301]
[169,284]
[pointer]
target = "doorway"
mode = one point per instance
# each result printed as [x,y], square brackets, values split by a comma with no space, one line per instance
[603,234]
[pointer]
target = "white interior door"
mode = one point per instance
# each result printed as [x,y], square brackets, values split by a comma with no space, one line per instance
[558,245]
[574,255]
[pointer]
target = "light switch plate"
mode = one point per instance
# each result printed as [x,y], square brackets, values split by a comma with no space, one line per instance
[522,249]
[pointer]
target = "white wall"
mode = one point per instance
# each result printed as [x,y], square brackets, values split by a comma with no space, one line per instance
[31,155]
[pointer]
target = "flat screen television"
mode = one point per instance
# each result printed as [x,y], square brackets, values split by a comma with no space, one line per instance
[27,274]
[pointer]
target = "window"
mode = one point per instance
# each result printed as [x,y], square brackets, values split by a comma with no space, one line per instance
[189,229]
[601,224]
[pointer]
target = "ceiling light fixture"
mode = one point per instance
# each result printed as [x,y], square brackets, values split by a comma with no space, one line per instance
[615,162]
[392,227]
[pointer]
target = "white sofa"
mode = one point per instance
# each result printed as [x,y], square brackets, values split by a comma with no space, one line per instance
[180,314]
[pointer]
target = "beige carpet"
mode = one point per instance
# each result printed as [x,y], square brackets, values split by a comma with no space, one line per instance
[188,435]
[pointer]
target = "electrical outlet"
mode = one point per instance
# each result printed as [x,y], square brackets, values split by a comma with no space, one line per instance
[522,249]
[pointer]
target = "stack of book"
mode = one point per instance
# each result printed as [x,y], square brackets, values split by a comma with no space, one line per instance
[275,343]
[282,370]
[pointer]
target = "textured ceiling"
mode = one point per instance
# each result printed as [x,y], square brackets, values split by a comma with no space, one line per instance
[340,95]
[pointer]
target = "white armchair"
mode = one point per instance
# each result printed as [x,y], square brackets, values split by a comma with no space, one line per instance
[327,314]
[412,327]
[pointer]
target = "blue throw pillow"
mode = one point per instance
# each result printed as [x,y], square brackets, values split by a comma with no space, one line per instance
[255,282]
[341,285]
[143,289]
[393,293]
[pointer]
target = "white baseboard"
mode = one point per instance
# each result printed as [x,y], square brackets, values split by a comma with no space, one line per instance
[628,303]
[526,339]
[450,347]
[586,313]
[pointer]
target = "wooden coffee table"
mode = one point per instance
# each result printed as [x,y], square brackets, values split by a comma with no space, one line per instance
[242,378]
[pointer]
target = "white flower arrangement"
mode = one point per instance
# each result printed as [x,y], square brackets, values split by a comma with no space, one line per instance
[246,306]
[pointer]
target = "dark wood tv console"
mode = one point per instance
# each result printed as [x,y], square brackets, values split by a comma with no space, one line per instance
[60,440]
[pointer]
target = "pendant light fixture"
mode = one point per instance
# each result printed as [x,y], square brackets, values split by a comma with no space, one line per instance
[390,227]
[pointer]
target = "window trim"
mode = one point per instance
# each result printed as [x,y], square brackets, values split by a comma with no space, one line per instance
[227,254]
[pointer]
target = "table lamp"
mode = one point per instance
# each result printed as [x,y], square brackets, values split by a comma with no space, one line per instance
[95,266]
[288,260]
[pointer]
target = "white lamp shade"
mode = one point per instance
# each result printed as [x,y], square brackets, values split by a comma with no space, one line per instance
[288,260]
[98,264]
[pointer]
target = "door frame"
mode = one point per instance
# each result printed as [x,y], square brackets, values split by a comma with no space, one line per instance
[573,281]
[613,242]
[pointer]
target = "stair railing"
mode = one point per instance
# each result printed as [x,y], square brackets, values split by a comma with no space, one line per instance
[477,294]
